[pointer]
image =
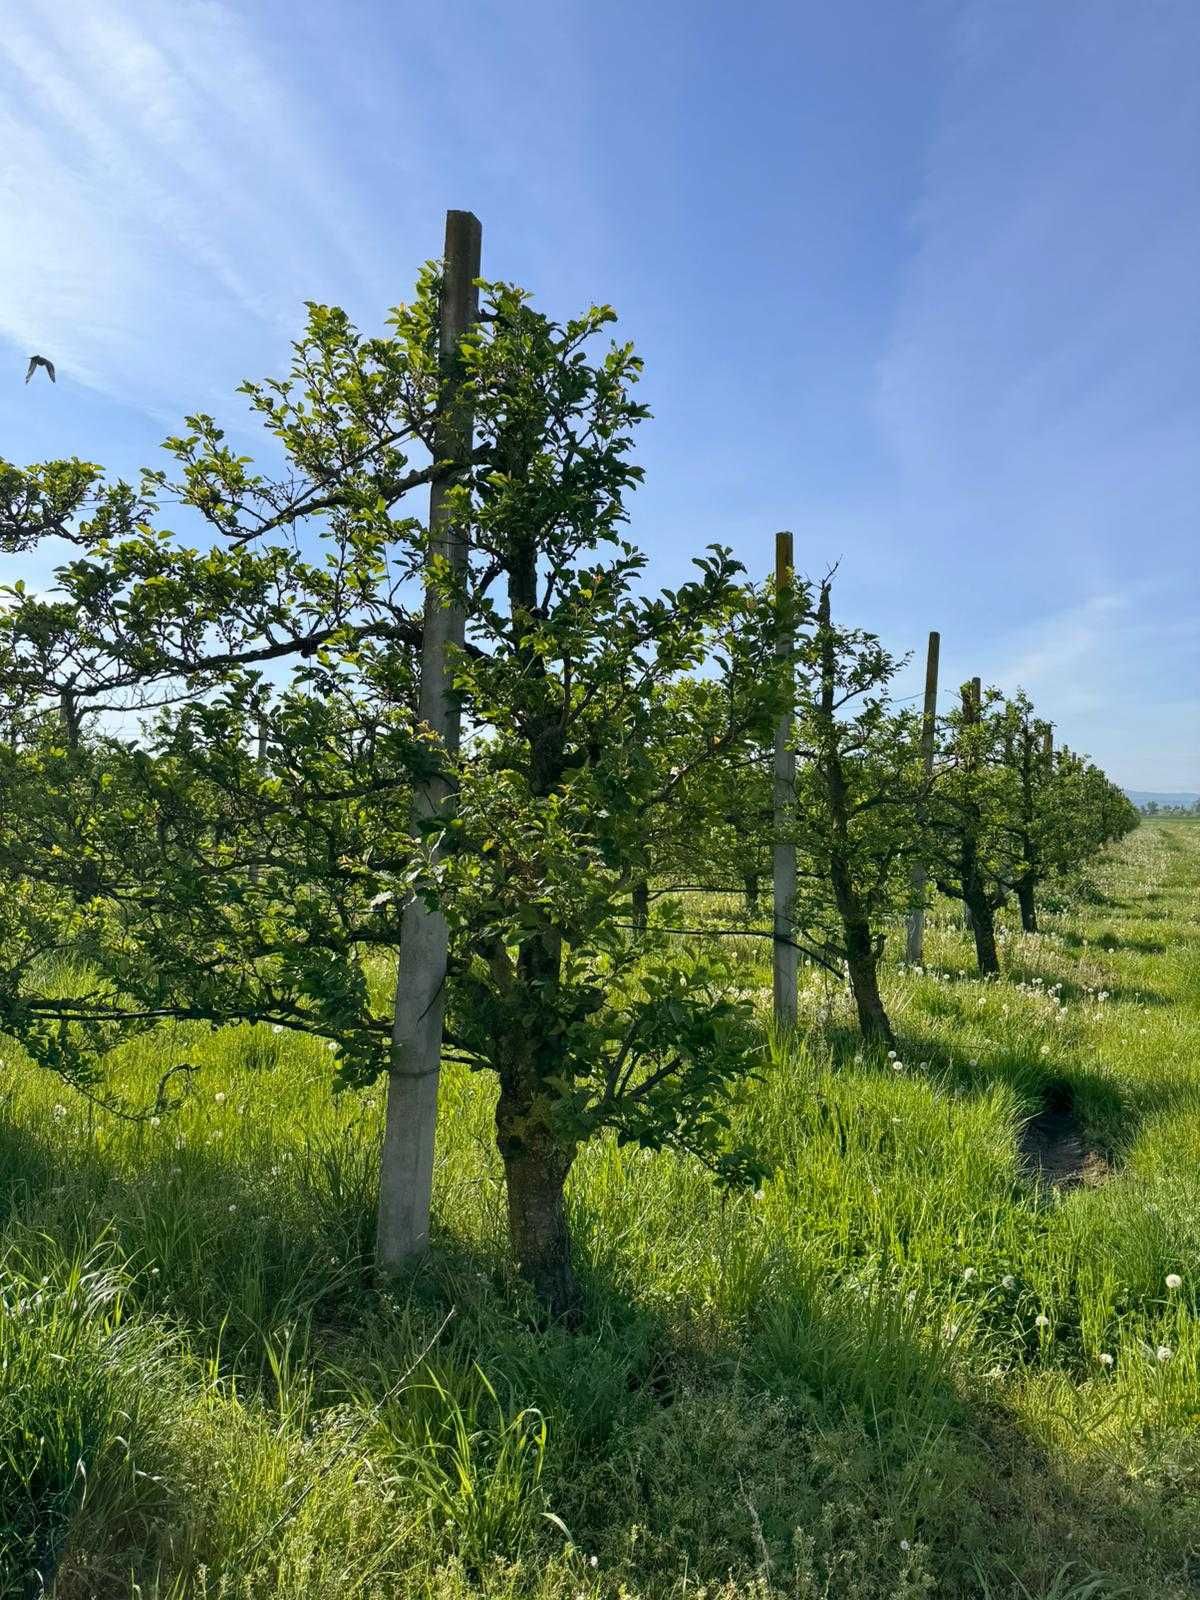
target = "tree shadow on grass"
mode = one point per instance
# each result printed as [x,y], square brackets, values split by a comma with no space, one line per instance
[717,1433]
[1107,1113]
[956,980]
[1112,943]
[1116,993]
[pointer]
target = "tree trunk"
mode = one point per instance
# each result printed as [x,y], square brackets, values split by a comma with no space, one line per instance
[864,985]
[1028,908]
[535,1170]
[861,960]
[750,886]
[983,926]
[785,958]
[641,907]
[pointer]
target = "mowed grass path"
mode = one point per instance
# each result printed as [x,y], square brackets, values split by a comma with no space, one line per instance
[904,1368]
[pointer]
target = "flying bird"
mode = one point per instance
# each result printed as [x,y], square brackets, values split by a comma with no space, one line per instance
[39,361]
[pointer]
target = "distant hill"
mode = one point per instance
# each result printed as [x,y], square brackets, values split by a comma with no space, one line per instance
[1141,797]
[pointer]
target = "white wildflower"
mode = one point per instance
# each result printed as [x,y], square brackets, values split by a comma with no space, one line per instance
[968,1274]
[1174,1281]
[1164,1352]
[219,1097]
[1105,1359]
[1042,1320]
[1008,1281]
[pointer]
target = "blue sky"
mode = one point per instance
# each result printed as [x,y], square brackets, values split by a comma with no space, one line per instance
[916,280]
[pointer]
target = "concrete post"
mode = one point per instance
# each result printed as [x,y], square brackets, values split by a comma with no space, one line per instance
[914,950]
[406,1173]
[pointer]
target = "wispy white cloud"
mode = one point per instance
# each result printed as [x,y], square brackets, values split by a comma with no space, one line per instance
[1039,377]
[164,204]
[1115,673]
[1037,395]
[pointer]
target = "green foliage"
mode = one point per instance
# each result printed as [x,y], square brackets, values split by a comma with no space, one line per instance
[478,1470]
[836,1387]
[250,853]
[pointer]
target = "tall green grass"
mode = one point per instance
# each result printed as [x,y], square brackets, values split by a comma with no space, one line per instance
[902,1369]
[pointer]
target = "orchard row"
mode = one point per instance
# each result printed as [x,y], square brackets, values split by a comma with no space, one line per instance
[307,741]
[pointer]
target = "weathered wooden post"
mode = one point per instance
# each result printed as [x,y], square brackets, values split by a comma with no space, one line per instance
[786,966]
[406,1172]
[972,697]
[260,763]
[914,951]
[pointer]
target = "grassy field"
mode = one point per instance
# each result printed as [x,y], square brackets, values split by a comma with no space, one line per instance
[905,1368]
